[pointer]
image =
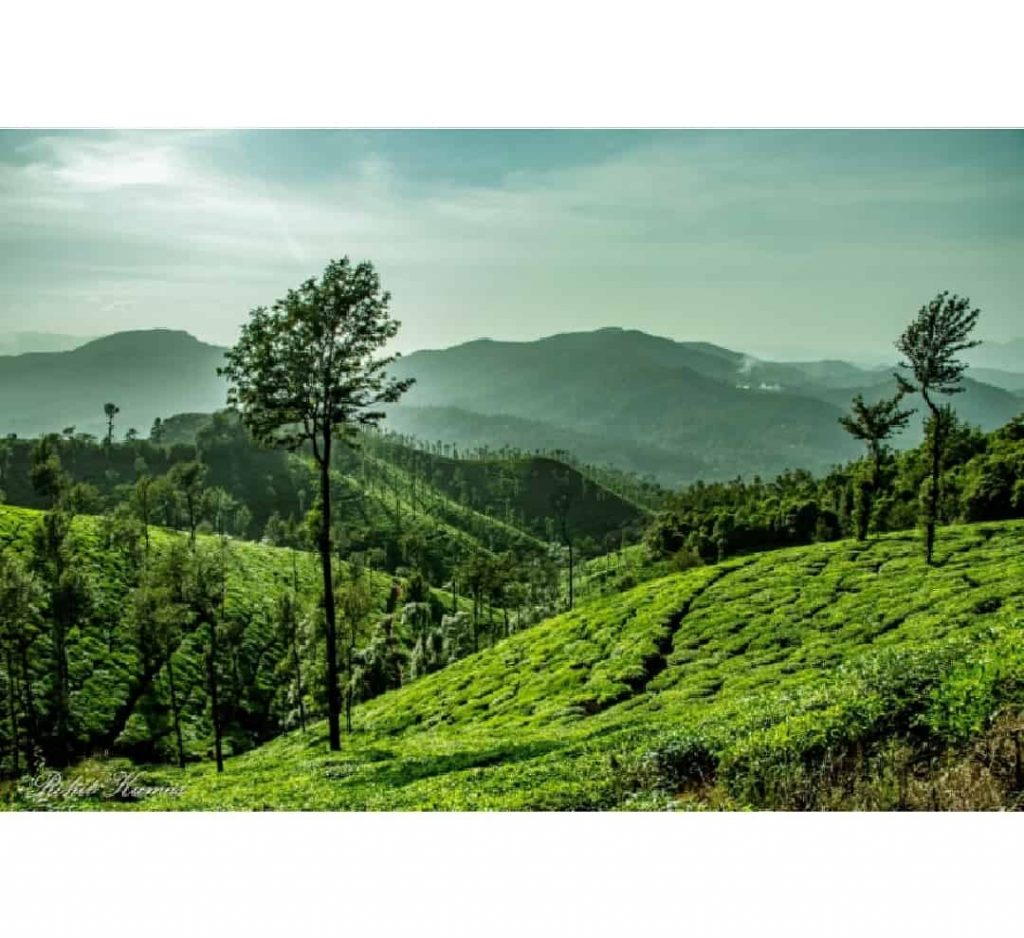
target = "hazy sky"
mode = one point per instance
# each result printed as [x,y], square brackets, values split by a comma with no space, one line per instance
[816,242]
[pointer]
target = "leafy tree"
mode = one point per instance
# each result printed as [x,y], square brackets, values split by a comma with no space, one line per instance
[355,603]
[874,424]
[189,479]
[206,584]
[70,597]
[222,508]
[561,505]
[110,411]
[288,621]
[304,373]
[930,345]
[6,455]
[21,604]
[141,503]
[380,665]
[47,473]
[152,620]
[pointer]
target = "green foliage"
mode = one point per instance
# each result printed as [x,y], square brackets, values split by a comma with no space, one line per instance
[770,681]
[982,477]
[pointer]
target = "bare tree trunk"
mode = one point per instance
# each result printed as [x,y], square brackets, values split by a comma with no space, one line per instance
[299,690]
[12,704]
[61,688]
[330,622]
[571,592]
[348,710]
[933,493]
[30,712]
[123,713]
[211,665]
[175,712]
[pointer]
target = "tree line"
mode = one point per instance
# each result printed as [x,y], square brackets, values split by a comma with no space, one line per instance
[957,474]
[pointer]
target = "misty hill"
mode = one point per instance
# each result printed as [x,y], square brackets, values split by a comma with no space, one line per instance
[677,411]
[473,430]
[1007,356]
[21,343]
[1008,380]
[146,373]
[630,388]
[980,404]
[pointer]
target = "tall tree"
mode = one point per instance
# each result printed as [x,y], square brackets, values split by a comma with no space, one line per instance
[110,411]
[58,563]
[930,345]
[562,504]
[21,602]
[206,588]
[189,478]
[141,503]
[304,372]
[874,424]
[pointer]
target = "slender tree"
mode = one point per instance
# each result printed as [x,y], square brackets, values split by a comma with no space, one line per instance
[562,503]
[141,503]
[206,587]
[110,411]
[189,478]
[21,602]
[874,424]
[304,372]
[930,345]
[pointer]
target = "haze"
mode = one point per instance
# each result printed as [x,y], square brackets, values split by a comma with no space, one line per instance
[782,243]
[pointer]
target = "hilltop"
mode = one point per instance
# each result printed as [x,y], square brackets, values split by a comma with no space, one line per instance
[20,343]
[838,675]
[680,411]
[674,411]
[148,374]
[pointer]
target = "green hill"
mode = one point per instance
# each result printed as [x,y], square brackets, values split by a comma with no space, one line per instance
[678,411]
[626,386]
[523,491]
[148,374]
[838,675]
[116,702]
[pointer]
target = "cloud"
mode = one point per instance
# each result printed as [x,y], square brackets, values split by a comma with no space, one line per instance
[178,228]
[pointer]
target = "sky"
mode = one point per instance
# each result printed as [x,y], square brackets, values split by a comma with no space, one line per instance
[778,243]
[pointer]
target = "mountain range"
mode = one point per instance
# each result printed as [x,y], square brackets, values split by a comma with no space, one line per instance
[20,343]
[676,411]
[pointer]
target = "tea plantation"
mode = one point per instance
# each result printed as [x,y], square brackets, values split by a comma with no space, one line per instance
[842,675]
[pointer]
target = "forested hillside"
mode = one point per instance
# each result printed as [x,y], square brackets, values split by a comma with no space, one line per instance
[674,411]
[628,398]
[147,374]
[835,676]
[135,601]
[498,625]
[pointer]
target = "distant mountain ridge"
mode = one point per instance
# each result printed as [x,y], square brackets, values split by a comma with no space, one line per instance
[678,411]
[147,373]
[21,343]
[716,411]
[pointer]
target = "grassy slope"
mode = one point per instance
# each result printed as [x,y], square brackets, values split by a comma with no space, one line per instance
[722,682]
[471,529]
[525,488]
[104,665]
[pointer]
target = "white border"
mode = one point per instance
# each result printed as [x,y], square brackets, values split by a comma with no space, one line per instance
[227,64]
[116,63]
[507,874]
